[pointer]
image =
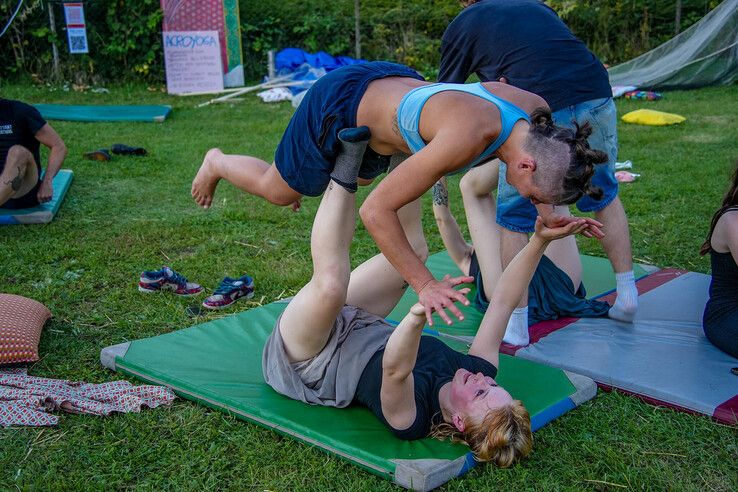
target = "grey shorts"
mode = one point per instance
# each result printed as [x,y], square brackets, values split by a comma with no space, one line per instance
[331,377]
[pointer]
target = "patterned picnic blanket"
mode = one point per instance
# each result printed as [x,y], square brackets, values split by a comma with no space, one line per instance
[26,400]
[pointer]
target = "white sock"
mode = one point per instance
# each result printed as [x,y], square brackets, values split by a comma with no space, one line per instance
[516,332]
[626,304]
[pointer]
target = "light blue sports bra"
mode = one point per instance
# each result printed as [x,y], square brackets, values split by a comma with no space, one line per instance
[408,116]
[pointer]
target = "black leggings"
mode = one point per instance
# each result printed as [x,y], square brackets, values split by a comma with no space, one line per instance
[722,331]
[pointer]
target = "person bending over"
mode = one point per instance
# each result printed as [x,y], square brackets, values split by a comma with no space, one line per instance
[446,127]
[556,289]
[525,44]
[720,320]
[22,130]
[331,345]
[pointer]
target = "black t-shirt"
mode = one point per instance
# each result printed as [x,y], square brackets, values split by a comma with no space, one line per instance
[436,365]
[19,123]
[527,43]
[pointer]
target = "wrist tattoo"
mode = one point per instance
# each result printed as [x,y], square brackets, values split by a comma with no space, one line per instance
[440,194]
[16,182]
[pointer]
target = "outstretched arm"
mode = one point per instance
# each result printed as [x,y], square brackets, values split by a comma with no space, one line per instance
[512,285]
[58,151]
[397,394]
[458,249]
[400,354]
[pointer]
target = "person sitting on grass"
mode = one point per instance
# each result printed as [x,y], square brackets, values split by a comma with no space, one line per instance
[556,289]
[720,320]
[331,346]
[447,128]
[22,130]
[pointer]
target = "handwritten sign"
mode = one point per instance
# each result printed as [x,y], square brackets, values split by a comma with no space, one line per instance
[193,62]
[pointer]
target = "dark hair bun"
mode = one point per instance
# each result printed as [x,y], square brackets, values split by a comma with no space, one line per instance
[594,192]
[542,121]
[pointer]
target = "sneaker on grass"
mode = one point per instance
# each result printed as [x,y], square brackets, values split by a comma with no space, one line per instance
[229,291]
[167,279]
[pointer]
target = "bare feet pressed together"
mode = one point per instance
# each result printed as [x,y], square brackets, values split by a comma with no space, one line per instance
[203,186]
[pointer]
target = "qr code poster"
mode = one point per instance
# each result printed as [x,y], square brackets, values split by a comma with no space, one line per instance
[77,40]
[74,14]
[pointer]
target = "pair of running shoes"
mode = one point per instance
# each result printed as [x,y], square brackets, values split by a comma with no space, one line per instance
[228,292]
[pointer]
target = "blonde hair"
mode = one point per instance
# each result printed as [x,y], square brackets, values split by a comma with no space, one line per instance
[503,436]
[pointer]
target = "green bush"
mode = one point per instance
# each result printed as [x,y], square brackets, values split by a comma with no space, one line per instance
[124,38]
[125,35]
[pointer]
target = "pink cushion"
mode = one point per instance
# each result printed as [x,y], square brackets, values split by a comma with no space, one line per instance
[21,322]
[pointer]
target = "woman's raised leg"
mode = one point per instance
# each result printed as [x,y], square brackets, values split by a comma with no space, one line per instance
[249,174]
[375,285]
[308,320]
[480,207]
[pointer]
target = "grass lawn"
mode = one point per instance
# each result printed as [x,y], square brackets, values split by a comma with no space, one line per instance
[134,213]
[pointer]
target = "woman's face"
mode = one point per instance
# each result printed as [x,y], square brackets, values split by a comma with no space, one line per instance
[474,395]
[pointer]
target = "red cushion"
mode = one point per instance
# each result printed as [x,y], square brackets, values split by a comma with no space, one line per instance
[21,322]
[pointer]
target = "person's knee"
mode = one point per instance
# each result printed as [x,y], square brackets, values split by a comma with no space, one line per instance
[279,200]
[471,186]
[331,285]
[19,157]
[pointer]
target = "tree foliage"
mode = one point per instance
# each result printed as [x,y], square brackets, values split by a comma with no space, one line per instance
[125,35]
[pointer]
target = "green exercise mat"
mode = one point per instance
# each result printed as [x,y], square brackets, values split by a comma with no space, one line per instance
[218,364]
[103,113]
[43,213]
[597,277]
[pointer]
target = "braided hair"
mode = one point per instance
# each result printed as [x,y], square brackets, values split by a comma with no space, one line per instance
[566,184]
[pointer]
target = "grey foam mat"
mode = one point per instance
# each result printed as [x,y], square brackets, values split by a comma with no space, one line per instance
[663,356]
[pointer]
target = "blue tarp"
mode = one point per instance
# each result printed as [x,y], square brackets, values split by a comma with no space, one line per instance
[298,65]
[290,59]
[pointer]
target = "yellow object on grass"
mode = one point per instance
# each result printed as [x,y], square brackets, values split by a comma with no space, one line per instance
[653,118]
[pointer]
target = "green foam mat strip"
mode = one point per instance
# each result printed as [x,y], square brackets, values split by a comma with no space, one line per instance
[157,113]
[597,277]
[219,364]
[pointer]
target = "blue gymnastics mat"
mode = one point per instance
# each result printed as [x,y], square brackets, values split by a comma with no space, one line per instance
[156,113]
[44,213]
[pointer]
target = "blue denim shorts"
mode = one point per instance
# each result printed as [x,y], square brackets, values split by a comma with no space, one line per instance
[306,154]
[518,214]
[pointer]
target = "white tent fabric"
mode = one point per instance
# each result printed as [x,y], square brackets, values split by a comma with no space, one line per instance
[705,54]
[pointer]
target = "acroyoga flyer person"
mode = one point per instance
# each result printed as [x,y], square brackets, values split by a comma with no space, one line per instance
[446,127]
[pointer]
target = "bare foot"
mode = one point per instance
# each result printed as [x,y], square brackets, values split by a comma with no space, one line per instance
[296,205]
[203,186]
